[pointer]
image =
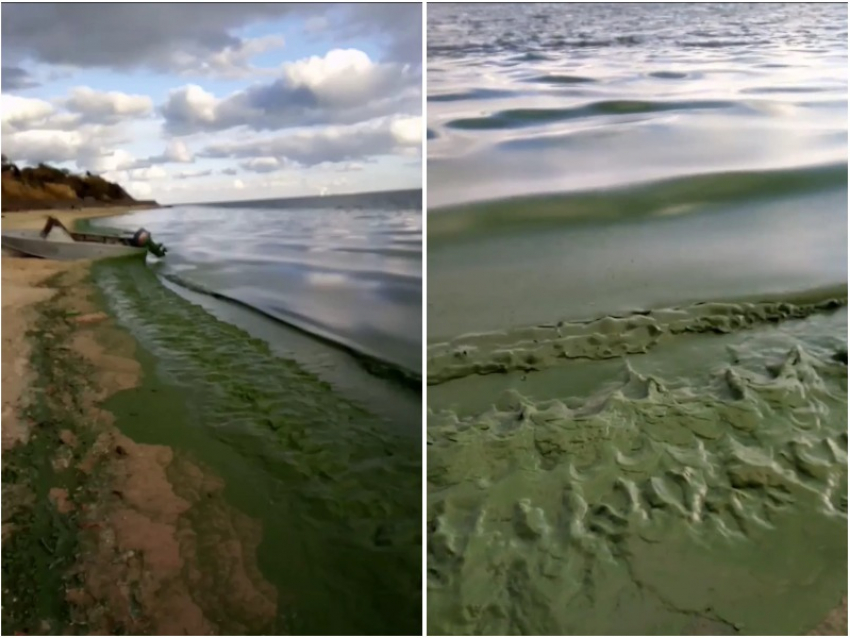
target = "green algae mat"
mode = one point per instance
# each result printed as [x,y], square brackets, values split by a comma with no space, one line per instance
[680,471]
[336,488]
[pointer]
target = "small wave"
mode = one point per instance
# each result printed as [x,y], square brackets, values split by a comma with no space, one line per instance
[531,56]
[517,118]
[545,346]
[560,79]
[630,202]
[593,43]
[668,75]
[769,90]
[471,94]
[370,361]
[721,44]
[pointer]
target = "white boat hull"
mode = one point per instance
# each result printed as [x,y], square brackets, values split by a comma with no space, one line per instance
[30,242]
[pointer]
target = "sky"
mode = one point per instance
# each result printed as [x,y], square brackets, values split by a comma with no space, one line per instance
[203,102]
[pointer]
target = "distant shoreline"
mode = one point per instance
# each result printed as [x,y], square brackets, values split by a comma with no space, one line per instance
[302,198]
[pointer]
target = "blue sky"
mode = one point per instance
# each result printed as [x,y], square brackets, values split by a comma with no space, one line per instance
[211,102]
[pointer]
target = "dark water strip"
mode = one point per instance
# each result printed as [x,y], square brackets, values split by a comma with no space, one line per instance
[338,492]
[518,118]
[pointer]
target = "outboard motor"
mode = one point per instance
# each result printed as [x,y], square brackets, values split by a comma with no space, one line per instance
[143,238]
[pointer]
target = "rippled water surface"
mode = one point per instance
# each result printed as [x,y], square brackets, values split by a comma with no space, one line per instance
[714,136]
[637,285]
[345,268]
[524,99]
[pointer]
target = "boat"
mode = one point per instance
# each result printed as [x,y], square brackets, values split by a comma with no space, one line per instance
[55,241]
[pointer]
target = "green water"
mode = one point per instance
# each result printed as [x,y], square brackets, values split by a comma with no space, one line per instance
[336,488]
[637,321]
[645,495]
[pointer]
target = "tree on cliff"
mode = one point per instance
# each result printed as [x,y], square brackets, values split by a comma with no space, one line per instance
[41,184]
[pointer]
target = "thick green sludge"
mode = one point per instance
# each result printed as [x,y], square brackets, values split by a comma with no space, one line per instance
[698,488]
[337,491]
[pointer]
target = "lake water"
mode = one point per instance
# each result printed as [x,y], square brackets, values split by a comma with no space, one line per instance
[344,268]
[637,283]
[281,340]
[715,135]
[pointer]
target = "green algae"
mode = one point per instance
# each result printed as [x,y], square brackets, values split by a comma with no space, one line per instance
[698,488]
[38,556]
[539,347]
[337,489]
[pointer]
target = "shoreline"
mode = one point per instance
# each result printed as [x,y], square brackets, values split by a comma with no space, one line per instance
[101,533]
[32,219]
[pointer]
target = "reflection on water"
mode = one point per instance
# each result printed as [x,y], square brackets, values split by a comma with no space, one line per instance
[345,268]
[597,158]
[524,98]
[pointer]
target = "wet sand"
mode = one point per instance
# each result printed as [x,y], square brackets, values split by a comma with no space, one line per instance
[100,534]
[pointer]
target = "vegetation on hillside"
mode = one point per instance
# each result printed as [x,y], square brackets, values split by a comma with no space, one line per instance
[45,186]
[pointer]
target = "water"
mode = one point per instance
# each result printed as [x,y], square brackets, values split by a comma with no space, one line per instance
[637,284]
[524,99]
[344,268]
[631,156]
[280,340]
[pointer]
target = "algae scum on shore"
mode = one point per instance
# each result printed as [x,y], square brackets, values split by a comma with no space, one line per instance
[183,479]
[700,487]
[335,488]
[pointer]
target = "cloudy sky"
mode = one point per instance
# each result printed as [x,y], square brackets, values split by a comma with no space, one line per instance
[213,102]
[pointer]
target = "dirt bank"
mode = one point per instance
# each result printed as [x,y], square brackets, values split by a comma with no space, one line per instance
[102,535]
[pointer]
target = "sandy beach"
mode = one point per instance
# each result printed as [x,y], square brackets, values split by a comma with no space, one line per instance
[101,534]
[36,218]
[23,288]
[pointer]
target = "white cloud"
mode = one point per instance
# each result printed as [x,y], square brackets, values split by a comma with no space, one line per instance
[238,184]
[43,146]
[407,131]
[177,152]
[192,105]
[139,190]
[232,62]
[262,164]
[344,86]
[116,160]
[20,112]
[192,174]
[338,76]
[148,174]
[312,146]
[107,107]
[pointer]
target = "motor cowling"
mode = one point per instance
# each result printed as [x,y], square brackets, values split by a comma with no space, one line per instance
[143,238]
